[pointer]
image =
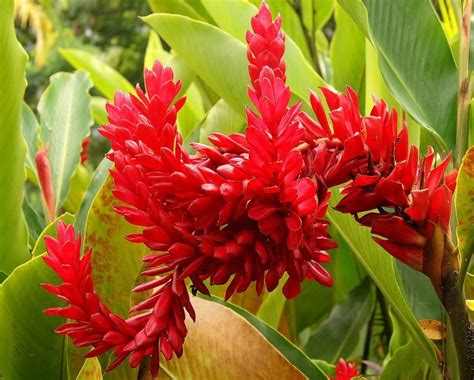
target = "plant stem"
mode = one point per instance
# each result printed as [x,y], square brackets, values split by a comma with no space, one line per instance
[462,329]
[464,94]
[368,340]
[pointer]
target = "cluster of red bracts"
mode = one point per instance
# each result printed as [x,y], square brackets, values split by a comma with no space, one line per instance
[248,209]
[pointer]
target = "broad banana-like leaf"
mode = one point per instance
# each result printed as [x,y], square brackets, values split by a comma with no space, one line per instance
[14,235]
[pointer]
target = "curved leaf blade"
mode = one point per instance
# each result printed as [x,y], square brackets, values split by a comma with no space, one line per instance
[65,121]
[14,235]
[105,78]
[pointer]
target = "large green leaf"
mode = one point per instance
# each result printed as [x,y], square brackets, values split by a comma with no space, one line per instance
[180,7]
[13,236]
[271,309]
[233,16]
[30,348]
[65,121]
[406,364]
[416,62]
[115,261]
[221,118]
[278,342]
[464,201]
[91,370]
[380,266]
[217,57]
[30,129]
[347,53]
[342,331]
[315,302]
[106,79]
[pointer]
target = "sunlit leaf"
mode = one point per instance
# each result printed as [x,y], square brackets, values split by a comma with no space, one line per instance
[106,79]
[91,370]
[64,110]
[464,203]
[14,235]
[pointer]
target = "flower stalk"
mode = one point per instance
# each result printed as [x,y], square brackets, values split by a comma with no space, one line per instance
[464,93]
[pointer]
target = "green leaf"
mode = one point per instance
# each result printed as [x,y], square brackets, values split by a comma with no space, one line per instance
[317,12]
[180,7]
[192,112]
[30,128]
[14,235]
[271,309]
[278,341]
[465,210]
[347,53]
[30,348]
[380,266]
[406,364]
[91,370]
[106,79]
[346,274]
[357,10]
[98,179]
[416,62]
[50,230]
[98,110]
[202,49]
[421,296]
[341,332]
[64,109]
[221,118]
[115,261]
[34,222]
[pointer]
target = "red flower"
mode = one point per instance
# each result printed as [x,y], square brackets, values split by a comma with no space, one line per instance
[245,210]
[409,196]
[345,371]
[93,324]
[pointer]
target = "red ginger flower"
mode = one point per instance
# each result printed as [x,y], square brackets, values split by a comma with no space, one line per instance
[246,210]
[345,371]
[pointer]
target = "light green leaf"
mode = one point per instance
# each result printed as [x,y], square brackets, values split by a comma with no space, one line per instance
[357,10]
[380,266]
[271,309]
[465,210]
[50,230]
[30,348]
[115,261]
[30,129]
[14,235]
[295,356]
[406,364]
[202,49]
[91,370]
[34,222]
[192,112]
[347,53]
[416,62]
[106,79]
[98,109]
[100,175]
[221,118]
[64,110]
[342,331]
[180,7]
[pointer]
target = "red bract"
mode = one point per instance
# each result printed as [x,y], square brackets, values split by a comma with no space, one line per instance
[409,195]
[345,371]
[242,211]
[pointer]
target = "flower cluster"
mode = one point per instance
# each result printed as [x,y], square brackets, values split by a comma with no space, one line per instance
[248,209]
[345,371]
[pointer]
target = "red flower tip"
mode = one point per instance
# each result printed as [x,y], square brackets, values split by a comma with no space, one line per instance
[46,181]
[345,371]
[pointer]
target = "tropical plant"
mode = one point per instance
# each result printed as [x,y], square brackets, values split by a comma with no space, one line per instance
[265,230]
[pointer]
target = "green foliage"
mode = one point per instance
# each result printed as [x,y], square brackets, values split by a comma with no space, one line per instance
[64,109]
[13,231]
[343,330]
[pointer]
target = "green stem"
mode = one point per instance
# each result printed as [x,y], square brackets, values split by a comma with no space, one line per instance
[464,93]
